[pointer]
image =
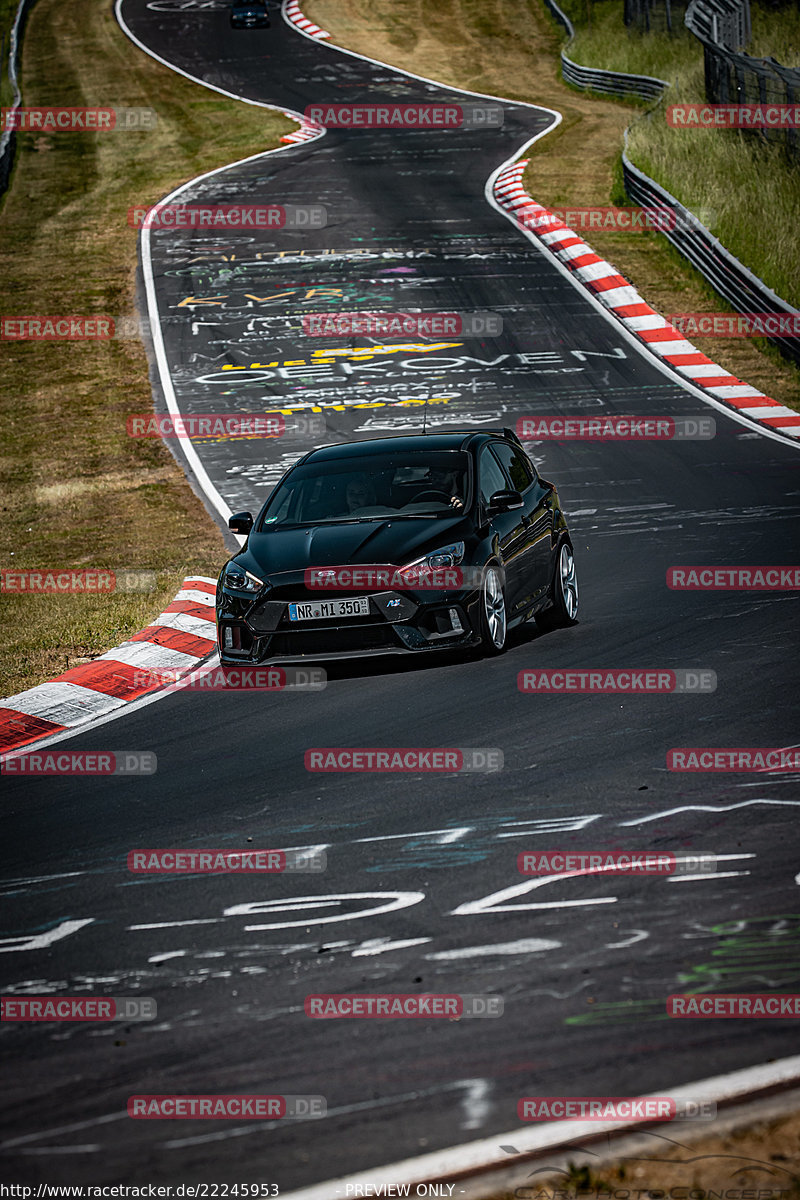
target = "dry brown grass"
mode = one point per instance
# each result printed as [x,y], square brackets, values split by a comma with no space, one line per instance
[77,491]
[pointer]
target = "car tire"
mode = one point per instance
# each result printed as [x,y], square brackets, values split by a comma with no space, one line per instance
[494,619]
[563,593]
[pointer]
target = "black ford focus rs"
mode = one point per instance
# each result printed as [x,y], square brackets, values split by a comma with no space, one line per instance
[403,544]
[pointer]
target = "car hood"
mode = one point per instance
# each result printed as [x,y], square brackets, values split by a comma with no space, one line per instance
[391,542]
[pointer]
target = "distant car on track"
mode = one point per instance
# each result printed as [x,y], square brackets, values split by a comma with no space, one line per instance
[404,544]
[249,14]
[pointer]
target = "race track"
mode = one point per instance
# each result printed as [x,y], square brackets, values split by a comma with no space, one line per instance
[584,965]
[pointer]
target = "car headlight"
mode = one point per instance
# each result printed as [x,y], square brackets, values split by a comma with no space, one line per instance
[437,560]
[239,580]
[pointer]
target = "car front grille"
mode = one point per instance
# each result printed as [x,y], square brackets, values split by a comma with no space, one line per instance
[335,640]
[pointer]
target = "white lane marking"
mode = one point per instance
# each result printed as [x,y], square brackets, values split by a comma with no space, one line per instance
[38,941]
[381,945]
[711,808]
[157,958]
[488,1153]
[638,935]
[550,825]
[443,836]
[707,875]
[176,924]
[523,946]
[41,878]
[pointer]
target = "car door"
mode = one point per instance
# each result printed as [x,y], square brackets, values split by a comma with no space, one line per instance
[535,559]
[508,526]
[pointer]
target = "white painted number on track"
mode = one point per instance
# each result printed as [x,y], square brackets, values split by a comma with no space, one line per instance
[38,941]
[309,904]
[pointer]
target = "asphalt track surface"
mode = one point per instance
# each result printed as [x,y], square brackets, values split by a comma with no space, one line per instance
[584,965]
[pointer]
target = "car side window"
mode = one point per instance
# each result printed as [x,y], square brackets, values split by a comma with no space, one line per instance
[515,464]
[490,477]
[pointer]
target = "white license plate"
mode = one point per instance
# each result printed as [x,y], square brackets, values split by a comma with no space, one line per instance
[316,610]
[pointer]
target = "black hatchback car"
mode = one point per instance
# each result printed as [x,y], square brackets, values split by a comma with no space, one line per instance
[404,544]
[249,14]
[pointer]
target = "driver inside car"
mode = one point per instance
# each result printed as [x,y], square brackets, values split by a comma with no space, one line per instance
[447,482]
[360,493]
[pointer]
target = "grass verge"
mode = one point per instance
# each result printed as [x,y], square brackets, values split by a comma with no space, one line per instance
[749,184]
[511,48]
[77,491]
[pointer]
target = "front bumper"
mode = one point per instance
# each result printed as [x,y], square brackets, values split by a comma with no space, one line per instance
[260,630]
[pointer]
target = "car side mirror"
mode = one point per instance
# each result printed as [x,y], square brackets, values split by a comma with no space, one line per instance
[241,522]
[504,502]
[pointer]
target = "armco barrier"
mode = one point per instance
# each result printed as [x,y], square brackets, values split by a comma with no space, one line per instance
[612,83]
[740,287]
[722,27]
[721,22]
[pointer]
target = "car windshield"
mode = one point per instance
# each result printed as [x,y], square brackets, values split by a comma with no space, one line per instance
[372,487]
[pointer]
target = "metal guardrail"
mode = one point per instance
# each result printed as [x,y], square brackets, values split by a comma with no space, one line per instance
[612,83]
[734,282]
[740,287]
[721,22]
[723,28]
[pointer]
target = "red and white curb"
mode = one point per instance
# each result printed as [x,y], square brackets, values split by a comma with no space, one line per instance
[295,15]
[307,132]
[177,641]
[625,303]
